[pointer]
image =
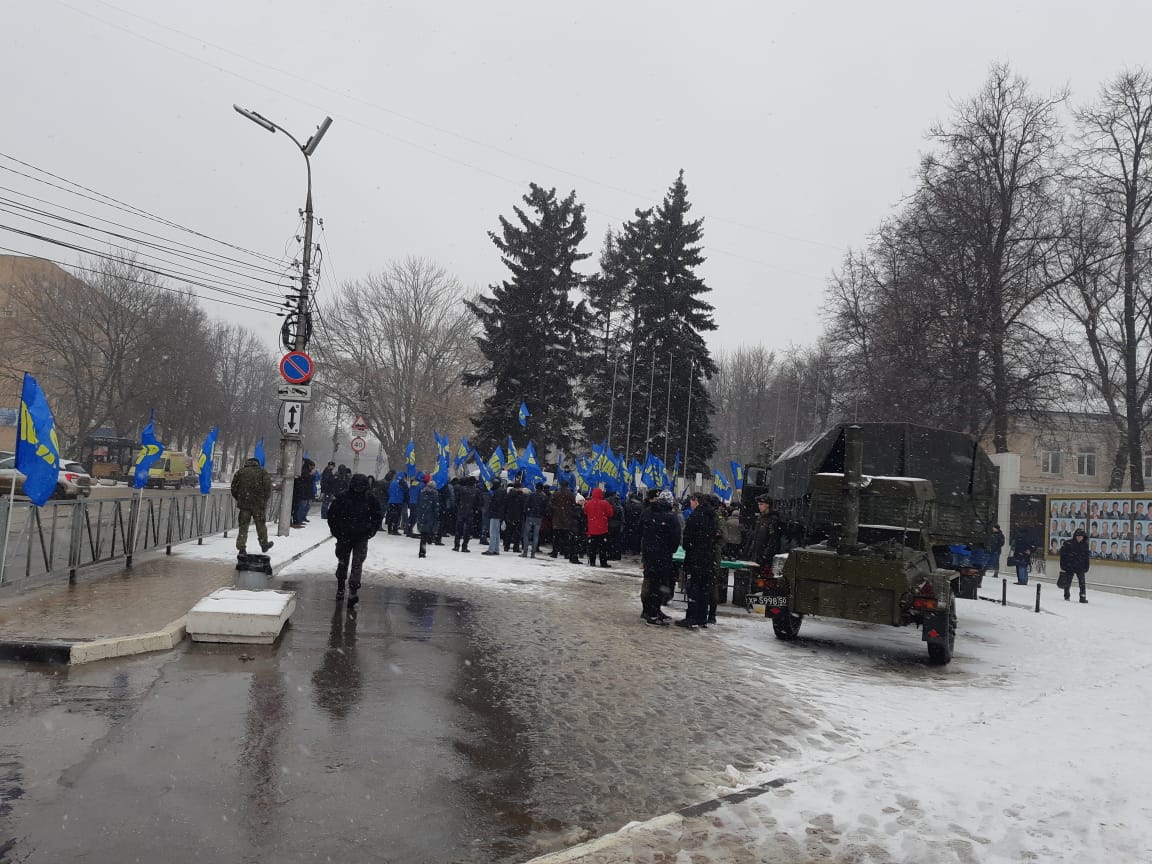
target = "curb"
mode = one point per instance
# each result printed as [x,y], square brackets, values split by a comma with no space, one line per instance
[164,639]
[64,652]
[624,837]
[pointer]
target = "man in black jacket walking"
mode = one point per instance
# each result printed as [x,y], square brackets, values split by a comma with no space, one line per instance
[354,518]
[495,517]
[1074,560]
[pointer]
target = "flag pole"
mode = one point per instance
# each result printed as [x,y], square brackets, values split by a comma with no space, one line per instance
[7,529]
[688,417]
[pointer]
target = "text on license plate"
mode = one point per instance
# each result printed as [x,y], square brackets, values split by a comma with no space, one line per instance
[775,601]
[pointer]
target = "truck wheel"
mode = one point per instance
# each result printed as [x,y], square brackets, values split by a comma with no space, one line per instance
[940,653]
[787,625]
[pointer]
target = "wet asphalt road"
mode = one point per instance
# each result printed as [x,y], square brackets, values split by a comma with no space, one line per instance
[441,722]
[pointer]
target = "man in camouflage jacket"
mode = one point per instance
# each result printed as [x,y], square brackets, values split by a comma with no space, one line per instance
[252,487]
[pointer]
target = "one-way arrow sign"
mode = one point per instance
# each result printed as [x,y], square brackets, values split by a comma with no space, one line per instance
[291,417]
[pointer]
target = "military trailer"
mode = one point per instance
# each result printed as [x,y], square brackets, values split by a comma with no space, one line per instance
[879,505]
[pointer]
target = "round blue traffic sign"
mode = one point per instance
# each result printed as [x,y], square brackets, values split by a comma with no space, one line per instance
[297,367]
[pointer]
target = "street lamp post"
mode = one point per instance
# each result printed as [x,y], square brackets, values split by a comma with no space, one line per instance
[290,442]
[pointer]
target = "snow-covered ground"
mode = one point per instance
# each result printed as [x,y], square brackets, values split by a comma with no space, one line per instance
[1033,745]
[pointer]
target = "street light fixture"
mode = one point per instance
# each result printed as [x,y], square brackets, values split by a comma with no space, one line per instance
[290,442]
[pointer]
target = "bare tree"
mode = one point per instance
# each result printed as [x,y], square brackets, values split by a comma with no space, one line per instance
[397,343]
[1114,175]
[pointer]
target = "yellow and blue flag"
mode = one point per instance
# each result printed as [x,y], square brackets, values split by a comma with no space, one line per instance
[737,475]
[37,449]
[410,456]
[721,486]
[204,462]
[463,452]
[512,463]
[495,463]
[524,415]
[440,478]
[486,473]
[150,450]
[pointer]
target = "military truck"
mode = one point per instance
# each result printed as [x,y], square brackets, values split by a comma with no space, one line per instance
[879,503]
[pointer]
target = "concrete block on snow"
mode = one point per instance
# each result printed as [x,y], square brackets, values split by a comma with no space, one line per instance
[233,615]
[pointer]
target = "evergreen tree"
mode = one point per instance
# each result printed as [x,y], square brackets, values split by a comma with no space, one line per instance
[649,286]
[531,324]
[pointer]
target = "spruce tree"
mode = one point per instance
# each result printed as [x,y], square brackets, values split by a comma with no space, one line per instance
[649,284]
[531,325]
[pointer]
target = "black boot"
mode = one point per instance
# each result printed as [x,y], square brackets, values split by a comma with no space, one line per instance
[340,589]
[353,599]
[1083,599]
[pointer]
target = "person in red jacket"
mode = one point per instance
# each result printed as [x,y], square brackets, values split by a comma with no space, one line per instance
[598,512]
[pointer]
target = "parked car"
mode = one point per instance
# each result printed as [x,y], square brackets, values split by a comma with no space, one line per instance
[72,481]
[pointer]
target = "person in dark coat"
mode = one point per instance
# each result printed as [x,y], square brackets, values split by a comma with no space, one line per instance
[1074,561]
[447,512]
[659,531]
[467,498]
[563,521]
[302,493]
[994,543]
[699,560]
[598,512]
[535,508]
[1022,550]
[327,488]
[354,518]
[615,528]
[343,480]
[428,514]
[766,536]
[397,502]
[514,503]
[633,510]
[496,504]
[414,489]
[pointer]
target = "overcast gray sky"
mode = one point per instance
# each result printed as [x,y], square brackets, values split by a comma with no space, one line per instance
[798,125]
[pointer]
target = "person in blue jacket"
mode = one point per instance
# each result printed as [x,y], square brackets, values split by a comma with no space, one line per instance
[396,495]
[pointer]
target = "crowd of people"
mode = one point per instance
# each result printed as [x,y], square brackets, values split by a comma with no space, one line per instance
[527,520]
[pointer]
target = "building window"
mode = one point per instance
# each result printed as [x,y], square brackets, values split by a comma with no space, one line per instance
[1086,464]
[1049,461]
[8,312]
[1147,467]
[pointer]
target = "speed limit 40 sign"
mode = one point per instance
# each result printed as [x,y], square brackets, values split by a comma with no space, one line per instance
[358,445]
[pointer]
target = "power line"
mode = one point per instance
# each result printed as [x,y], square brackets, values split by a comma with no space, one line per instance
[121,205]
[191,294]
[257,267]
[264,292]
[129,263]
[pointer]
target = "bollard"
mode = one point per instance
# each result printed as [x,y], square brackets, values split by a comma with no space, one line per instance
[1037,596]
[1003,592]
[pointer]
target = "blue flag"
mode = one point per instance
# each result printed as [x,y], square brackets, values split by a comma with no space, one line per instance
[37,450]
[721,486]
[532,472]
[410,455]
[486,473]
[150,450]
[440,478]
[737,475]
[524,415]
[676,466]
[463,453]
[258,453]
[204,462]
[512,463]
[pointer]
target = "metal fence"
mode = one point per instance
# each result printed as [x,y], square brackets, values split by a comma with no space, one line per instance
[66,536]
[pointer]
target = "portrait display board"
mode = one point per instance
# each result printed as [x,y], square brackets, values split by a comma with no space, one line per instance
[1119,528]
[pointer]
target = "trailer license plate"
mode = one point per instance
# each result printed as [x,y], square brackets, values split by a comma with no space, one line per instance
[776,601]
